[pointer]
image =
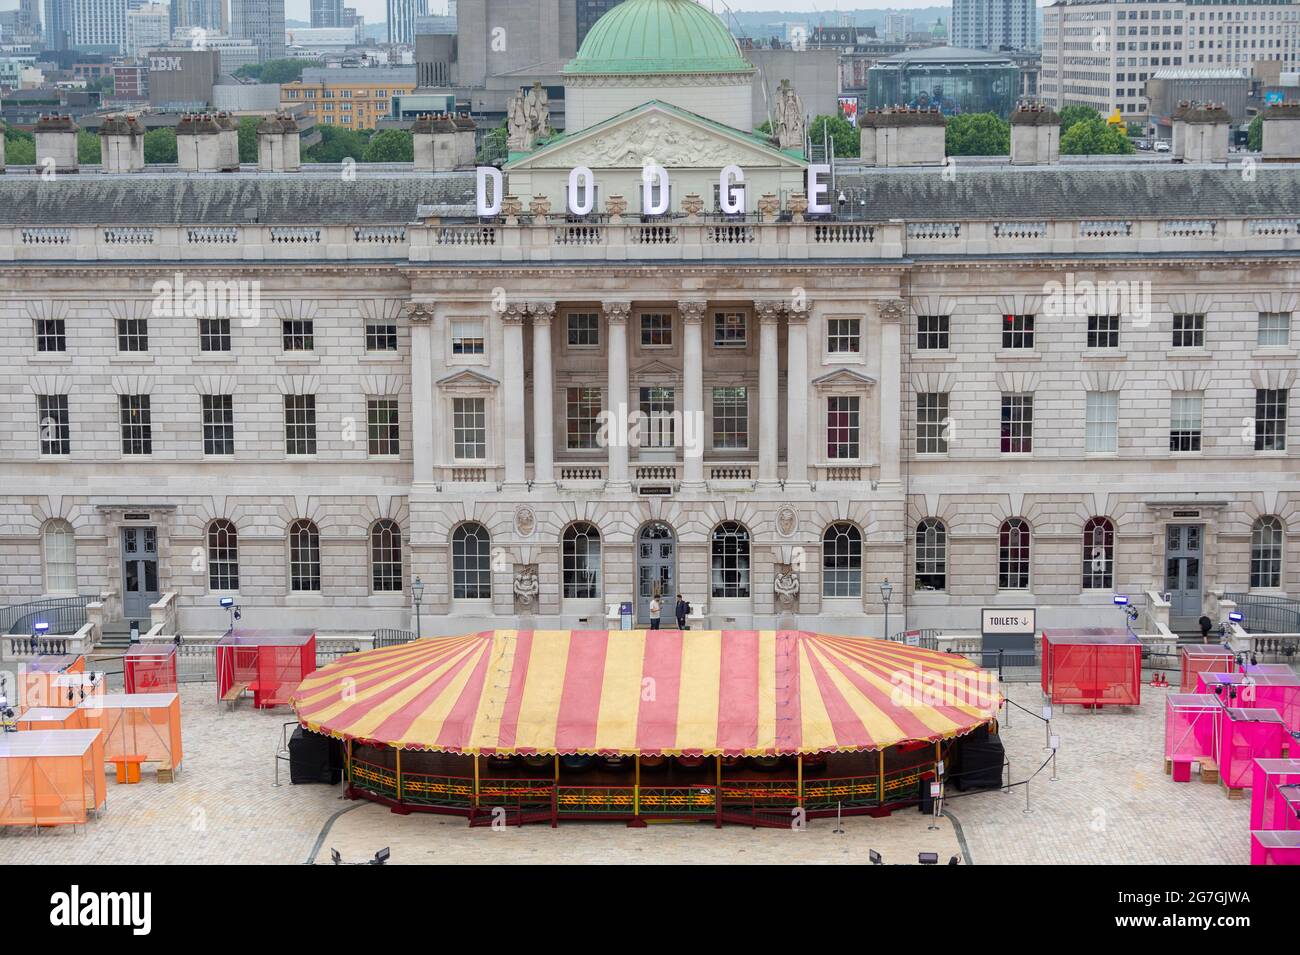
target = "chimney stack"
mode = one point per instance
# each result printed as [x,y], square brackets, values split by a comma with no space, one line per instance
[902,137]
[1035,136]
[56,141]
[199,144]
[1201,133]
[278,145]
[121,144]
[466,141]
[435,140]
[1282,133]
[229,142]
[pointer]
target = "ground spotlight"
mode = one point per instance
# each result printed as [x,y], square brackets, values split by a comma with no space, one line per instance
[875,858]
[381,856]
[927,858]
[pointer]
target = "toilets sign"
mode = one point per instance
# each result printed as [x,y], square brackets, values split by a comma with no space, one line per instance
[1008,622]
[656,190]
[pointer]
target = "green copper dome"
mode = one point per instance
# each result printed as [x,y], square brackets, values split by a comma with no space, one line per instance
[658,36]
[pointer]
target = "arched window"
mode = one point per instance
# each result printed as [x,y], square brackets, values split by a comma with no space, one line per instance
[842,561]
[304,557]
[581,561]
[1266,553]
[471,562]
[223,556]
[386,557]
[730,560]
[59,548]
[1098,554]
[931,555]
[1013,554]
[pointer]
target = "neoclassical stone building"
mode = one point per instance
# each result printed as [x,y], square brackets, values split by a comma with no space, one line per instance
[991,385]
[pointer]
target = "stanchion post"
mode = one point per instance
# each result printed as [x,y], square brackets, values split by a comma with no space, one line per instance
[1027,809]
[636,787]
[799,779]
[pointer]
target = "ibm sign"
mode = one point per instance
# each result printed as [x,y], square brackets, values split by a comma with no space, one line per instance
[165,64]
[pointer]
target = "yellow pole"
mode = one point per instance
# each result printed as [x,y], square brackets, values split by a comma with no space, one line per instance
[475,779]
[882,777]
[636,787]
[800,778]
[349,748]
[399,775]
[557,769]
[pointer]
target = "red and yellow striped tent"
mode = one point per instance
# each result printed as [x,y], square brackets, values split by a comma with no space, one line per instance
[653,692]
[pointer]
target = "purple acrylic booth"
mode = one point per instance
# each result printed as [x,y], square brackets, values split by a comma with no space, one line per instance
[1191,731]
[1247,734]
[1275,848]
[1267,669]
[1267,809]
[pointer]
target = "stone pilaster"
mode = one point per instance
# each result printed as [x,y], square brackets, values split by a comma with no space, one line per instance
[692,313]
[543,314]
[616,404]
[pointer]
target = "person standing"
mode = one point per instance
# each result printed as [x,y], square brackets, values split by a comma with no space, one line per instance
[655,608]
[683,610]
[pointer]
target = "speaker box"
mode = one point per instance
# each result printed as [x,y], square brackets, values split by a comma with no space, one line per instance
[977,761]
[314,758]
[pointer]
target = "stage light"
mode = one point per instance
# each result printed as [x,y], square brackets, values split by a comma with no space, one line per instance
[927,858]
[42,627]
[382,856]
[875,858]
[227,602]
[1236,616]
[1120,600]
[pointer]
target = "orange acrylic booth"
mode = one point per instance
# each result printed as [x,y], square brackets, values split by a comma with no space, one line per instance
[1092,667]
[51,777]
[52,718]
[37,680]
[138,727]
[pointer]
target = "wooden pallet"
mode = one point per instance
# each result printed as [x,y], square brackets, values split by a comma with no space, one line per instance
[166,774]
[1209,771]
[1233,793]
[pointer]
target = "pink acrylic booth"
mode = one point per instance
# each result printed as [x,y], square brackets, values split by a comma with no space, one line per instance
[1247,734]
[1273,794]
[1275,848]
[1198,660]
[1279,692]
[1191,732]
[150,668]
[1092,666]
[1267,669]
[269,663]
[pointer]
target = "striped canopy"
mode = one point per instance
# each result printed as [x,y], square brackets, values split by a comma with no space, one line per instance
[654,692]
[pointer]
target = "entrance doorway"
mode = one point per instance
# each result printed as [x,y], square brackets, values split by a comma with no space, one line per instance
[1184,564]
[656,570]
[139,572]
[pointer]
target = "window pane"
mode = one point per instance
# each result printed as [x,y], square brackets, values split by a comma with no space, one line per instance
[1102,422]
[730,418]
[842,561]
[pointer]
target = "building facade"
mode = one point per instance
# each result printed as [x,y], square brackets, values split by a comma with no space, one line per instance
[994,24]
[146,28]
[353,97]
[401,19]
[260,23]
[326,13]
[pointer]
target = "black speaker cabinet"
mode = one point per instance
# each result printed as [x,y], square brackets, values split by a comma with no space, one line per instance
[314,758]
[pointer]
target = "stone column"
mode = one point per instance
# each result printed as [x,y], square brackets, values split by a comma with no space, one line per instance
[543,314]
[616,403]
[769,375]
[419,317]
[693,442]
[512,394]
[796,387]
[891,385]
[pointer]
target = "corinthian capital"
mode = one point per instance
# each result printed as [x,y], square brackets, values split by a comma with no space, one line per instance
[514,313]
[542,312]
[418,312]
[616,313]
[692,310]
[769,309]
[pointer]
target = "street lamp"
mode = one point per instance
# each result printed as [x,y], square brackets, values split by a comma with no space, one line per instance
[417,590]
[886,591]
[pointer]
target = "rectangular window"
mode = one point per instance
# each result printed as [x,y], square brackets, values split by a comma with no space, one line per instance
[51,335]
[582,417]
[729,330]
[658,421]
[132,334]
[932,423]
[52,416]
[467,337]
[137,424]
[731,418]
[1017,424]
[843,428]
[932,332]
[214,334]
[1189,331]
[382,426]
[1018,331]
[584,329]
[218,424]
[1274,329]
[843,336]
[1101,422]
[381,336]
[656,330]
[1270,419]
[299,334]
[469,428]
[1185,421]
[1103,331]
[299,424]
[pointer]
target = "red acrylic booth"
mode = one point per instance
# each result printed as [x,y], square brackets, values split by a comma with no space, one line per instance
[271,664]
[150,668]
[50,777]
[1197,660]
[1191,732]
[1275,848]
[1092,667]
[1274,794]
[1248,734]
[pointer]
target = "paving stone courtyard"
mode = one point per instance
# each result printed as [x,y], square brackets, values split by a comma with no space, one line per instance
[1111,803]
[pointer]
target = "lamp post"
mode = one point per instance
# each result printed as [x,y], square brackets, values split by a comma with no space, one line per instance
[417,590]
[886,591]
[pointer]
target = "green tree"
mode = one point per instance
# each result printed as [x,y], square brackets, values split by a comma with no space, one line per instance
[88,148]
[249,71]
[1255,134]
[336,144]
[977,134]
[844,137]
[160,146]
[284,71]
[1094,137]
[390,145]
[248,138]
[1076,114]
[20,148]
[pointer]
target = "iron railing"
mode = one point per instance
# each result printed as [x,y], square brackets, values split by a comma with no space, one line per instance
[1267,614]
[65,615]
[388,637]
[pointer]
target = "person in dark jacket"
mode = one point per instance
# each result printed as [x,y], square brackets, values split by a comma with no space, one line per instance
[683,610]
[1206,623]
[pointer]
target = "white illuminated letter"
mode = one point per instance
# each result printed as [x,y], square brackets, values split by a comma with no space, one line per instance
[816,188]
[582,182]
[486,210]
[732,197]
[650,174]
